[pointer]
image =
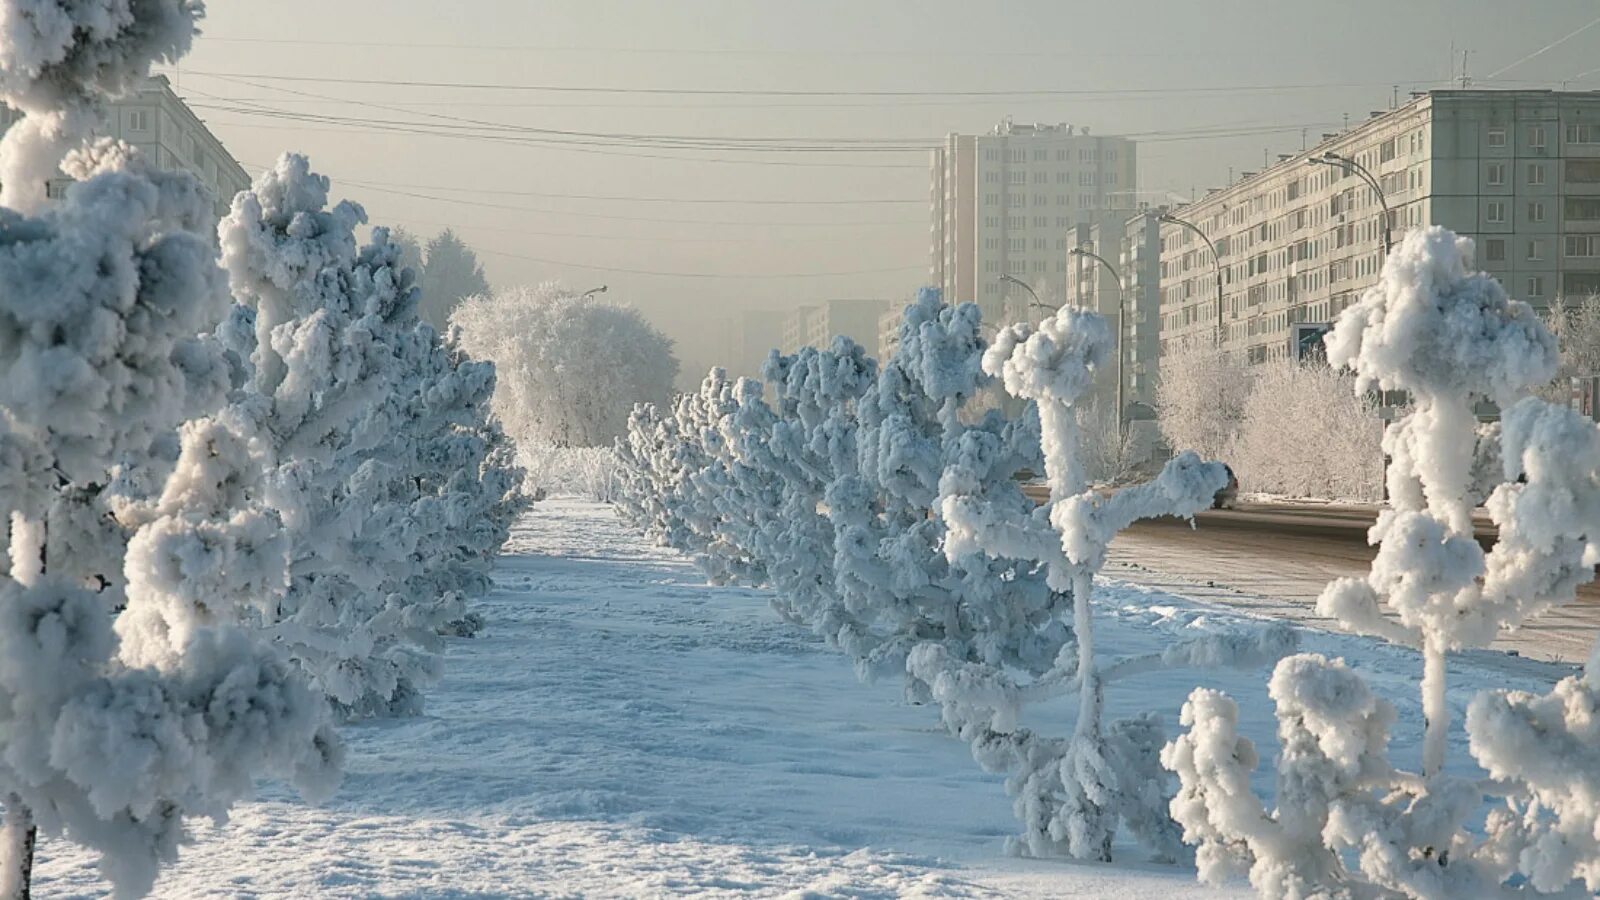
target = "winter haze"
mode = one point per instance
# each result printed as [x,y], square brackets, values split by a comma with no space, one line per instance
[1259,71]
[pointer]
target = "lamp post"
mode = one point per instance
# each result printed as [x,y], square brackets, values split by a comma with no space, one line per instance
[1216,263]
[592,291]
[1011,279]
[1122,328]
[1336,160]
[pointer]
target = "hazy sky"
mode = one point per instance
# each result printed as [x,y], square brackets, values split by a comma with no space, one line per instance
[487,162]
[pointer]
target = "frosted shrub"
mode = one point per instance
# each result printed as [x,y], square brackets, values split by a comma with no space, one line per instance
[1071,794]
[571,367]
[1200,398]
[1305,431]
[394,482]
[590,472]
[1449,337]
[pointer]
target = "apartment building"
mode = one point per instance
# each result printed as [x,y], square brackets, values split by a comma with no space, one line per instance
[1128,294]
[159,123]
[1518,171]
[816,325]
[1006,202]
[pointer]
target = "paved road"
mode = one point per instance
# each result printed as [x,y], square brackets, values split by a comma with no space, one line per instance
[1275,559]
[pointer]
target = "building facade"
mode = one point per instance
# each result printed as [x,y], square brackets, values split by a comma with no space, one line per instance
[1517,171]
[1005,203]
[171,136]
[759,332]
[816,325]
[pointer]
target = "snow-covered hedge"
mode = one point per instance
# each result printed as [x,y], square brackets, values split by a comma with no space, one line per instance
[881,504]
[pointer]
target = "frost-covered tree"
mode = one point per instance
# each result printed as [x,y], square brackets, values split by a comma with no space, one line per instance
[451,274]
[383,456]
[1304,431]
[890,562]
[1348,823]
[571,368]
[1071,794]
[123,709]
[1200,397]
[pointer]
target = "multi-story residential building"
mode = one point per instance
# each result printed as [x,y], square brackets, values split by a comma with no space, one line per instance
[158,122]
[1517,171]
[816,325]
[1004,203]
[889,331]
[1130,299]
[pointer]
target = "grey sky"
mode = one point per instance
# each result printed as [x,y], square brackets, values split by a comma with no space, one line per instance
[1292,66]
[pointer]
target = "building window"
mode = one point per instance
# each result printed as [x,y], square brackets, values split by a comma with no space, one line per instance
[1494,250]
[991,266]
[992,154]
[1536,173]
[1017,245]
[1019,177]
[1496,174]
[1535,286]
[139,120]
[991,221]
[1017,200]
[1111,154]
[1041,221]
[992,243]
[1536,211]
[991,177]
[1583,134]
[1581,209]
[1062,200]
[1086,201]
[1041,200]
[1016,222]
[1019,156]
[1111,179]
[1495,212]
[1039,244]
[1535,250]
[1536,136]
[1497,137]
[1583,245]
[1040,266]
[991,199]
[1063,222]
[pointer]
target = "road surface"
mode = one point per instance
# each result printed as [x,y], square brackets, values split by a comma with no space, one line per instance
[1275,559]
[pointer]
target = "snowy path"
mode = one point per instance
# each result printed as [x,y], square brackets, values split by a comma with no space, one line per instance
[624,731]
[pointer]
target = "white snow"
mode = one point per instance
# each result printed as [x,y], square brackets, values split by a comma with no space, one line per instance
[621,729]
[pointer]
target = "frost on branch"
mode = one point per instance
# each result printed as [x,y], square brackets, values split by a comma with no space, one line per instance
[1451,339]
[1072,794]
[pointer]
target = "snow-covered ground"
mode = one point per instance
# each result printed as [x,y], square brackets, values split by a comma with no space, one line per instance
[622,730]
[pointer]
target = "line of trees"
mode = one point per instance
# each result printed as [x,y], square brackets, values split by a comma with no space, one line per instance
[824,494]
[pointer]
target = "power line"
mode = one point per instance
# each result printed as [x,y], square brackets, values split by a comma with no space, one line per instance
[622,199]
[720,276]
[1539,52]
[589,215]
[756,92]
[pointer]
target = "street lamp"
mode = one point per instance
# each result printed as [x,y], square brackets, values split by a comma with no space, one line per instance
[1216,263]
[592,291]
[1333,159]
[1036,303]
[1122,326]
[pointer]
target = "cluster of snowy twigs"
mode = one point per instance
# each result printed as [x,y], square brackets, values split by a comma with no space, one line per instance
[245,491]
[887,514]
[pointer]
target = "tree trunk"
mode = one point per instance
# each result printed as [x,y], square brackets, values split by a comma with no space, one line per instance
[16,851]
[1435,712]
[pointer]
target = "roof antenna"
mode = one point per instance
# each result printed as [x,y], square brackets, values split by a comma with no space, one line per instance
[1466,79]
